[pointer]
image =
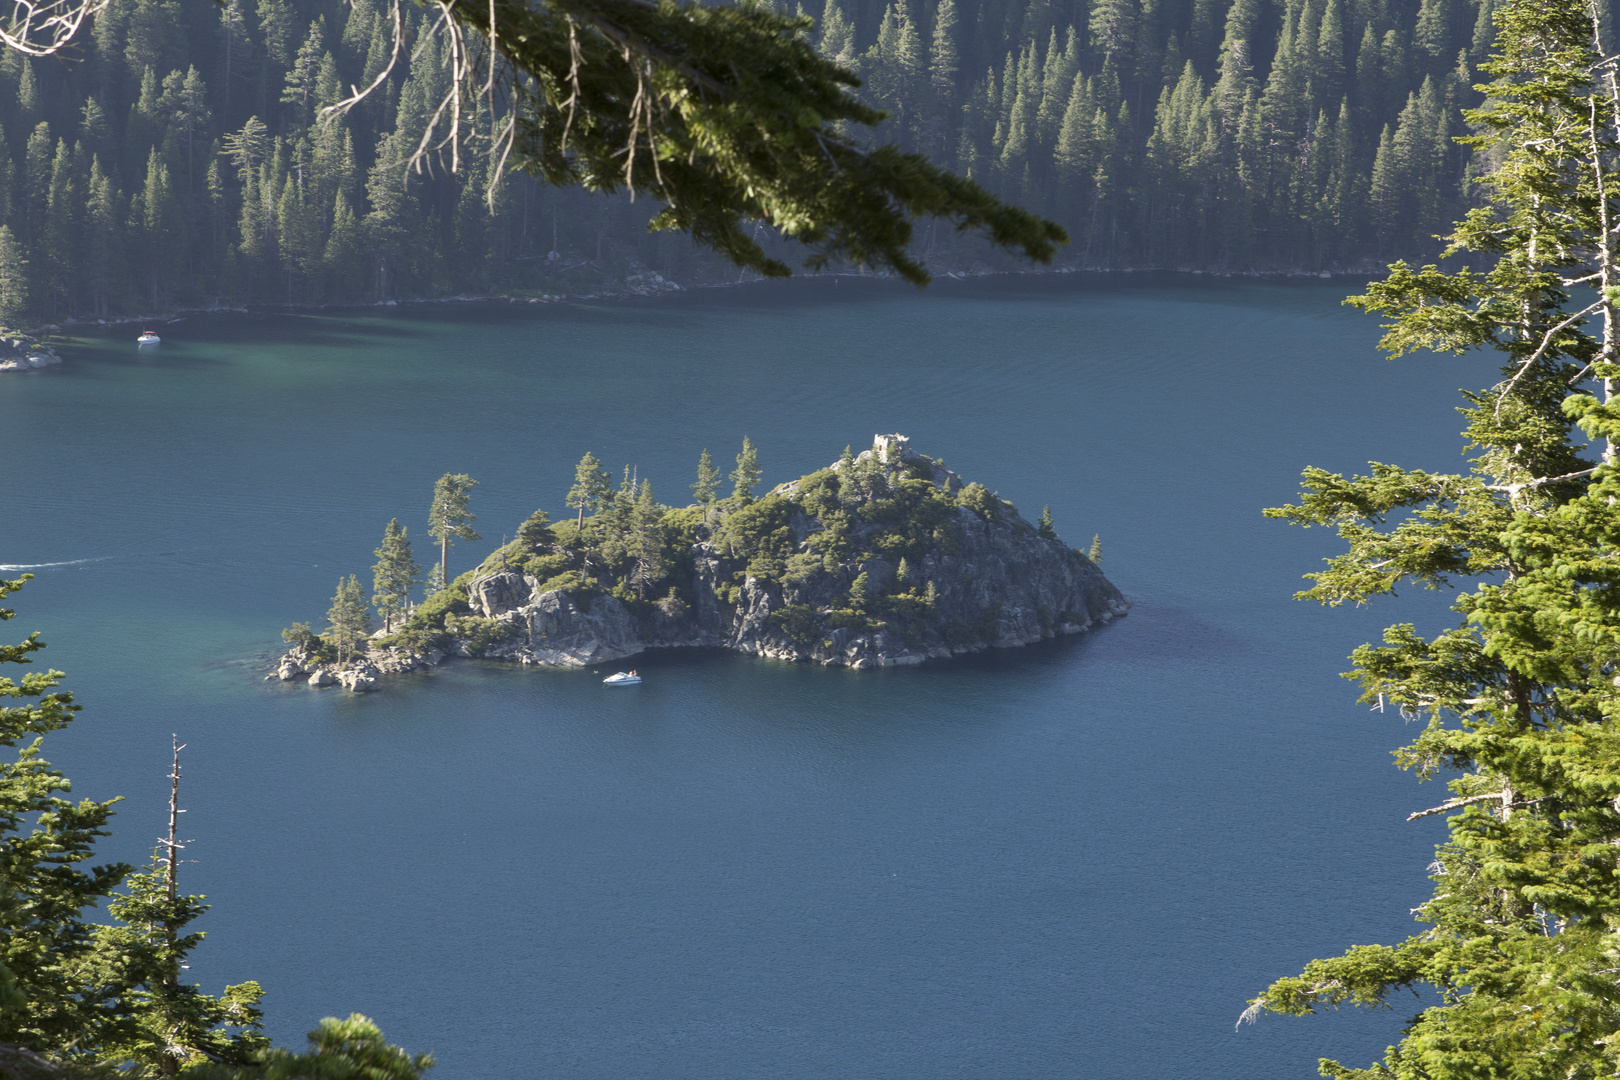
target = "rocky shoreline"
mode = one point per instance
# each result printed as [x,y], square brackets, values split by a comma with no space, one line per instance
[21,352]
[988,578]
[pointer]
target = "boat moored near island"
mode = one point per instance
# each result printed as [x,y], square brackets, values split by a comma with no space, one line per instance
[622,678]
[147,338]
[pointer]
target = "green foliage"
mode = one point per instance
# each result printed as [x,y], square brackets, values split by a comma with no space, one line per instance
[476,632]
[1159,152]
[51,998]
[13,279]
[545,567]
[535,533]
[394,575]
[800,622]
[1043,527]
[1095,553]
[579,587]
[352,1049]
[746,476]
[172,1023]
[708,480]
[299,636]
[977,497]
[450,515]
[350,622]
[1518,701]
[592,487]
[758,535]
[430,614]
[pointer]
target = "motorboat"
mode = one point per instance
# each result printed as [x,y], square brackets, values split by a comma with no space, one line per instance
[147,338]
[622,678]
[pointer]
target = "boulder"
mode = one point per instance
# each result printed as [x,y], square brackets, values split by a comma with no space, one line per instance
[497,594]
[290,669]
[321,677]
[358,680]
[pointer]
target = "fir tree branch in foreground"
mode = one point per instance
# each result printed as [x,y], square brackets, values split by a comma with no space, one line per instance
[726,115]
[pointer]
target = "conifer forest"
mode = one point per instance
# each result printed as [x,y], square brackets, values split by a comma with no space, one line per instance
[177,154]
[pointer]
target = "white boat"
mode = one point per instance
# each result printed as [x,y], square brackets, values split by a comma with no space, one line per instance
[147,338]
[623,678]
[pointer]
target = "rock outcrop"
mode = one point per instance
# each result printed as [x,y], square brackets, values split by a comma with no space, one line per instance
[774,579]
[19,352]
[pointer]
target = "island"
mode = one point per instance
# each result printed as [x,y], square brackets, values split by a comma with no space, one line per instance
[881,559]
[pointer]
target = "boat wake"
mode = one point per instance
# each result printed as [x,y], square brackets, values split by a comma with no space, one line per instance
[9,568]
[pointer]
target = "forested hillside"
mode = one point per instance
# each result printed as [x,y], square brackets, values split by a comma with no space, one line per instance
[179,157]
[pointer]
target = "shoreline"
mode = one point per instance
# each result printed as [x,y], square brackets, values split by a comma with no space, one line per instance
[661,286]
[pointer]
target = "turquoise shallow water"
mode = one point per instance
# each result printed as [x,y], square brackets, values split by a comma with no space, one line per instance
[1073,860]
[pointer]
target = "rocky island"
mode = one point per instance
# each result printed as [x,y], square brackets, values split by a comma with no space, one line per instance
[880,559]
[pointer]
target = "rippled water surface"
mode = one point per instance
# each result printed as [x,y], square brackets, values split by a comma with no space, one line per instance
[1073,860]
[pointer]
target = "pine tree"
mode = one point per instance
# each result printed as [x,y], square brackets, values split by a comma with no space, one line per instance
[837,37]
[173,1023]
[29,110]
[450,516]
[36,193]
[1237,60]
[347,618]
[943,57]
[62,234]
[747,474]
[1432,34]
[1517,699]
[1330,56]
[302,77]
[1043,527]
[592,486]
[161,227]
[45,887]
[1202,44]
[1113,31]
[344,257]
[708,480]
[1386,194]
[647,542]
[535,533]
[395,574]
[185,103]
[275,19]
[13,281]
[105,247]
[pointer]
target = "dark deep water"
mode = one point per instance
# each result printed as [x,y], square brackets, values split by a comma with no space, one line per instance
[1074,860]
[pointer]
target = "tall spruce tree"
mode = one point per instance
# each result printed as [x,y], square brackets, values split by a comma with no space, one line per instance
[49,958]
[708,480]
[394,575]
[592,486]
[1520,699]
[347,620]
[746,476]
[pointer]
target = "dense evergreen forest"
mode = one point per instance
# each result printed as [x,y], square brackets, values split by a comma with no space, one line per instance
[178,156]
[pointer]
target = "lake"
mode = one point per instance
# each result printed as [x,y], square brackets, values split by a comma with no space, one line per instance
[1078,859]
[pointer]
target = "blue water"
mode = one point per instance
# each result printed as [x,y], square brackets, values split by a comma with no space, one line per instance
[1073,860]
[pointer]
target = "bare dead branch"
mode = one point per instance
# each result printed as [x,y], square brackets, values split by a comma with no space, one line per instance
[41,29]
